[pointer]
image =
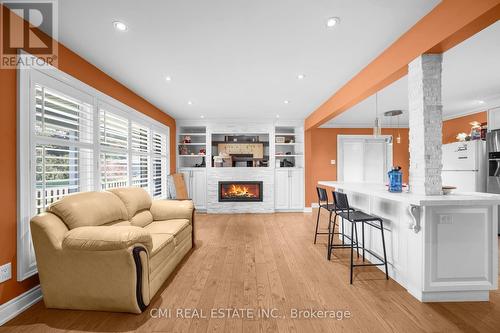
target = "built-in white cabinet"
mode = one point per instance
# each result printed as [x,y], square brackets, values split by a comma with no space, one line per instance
[196,184]
[289,189]
[493,119]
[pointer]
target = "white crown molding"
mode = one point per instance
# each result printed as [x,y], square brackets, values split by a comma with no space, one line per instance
[17,305]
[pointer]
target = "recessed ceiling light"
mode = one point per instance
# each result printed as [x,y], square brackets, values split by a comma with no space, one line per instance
[120,26]
[202,116]
[168,78]
[277,116]
[190,103]
[301,76]
[480,102]
[332,21]
[286,101]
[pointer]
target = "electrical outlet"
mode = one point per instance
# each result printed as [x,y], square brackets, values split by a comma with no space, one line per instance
[332,162]
[5,272]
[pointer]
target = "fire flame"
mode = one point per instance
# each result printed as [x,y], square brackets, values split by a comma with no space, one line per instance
[239,191]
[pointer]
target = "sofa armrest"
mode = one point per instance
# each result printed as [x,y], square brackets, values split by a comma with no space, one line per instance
[172,209]
[106,238]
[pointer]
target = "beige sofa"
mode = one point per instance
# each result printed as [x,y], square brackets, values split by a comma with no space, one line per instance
[109,250]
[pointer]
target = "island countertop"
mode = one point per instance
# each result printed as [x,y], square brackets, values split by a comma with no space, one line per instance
[379,190]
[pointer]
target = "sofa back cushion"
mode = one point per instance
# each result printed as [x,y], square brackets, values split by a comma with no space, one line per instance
[137,202]
[89,209]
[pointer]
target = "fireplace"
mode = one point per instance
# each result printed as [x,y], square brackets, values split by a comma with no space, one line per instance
[240,191]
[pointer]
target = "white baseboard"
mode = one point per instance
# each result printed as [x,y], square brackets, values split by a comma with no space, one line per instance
[314,205]
[17,305]
[308,209]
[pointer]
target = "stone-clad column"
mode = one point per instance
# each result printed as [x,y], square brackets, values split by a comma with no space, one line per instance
[426,122]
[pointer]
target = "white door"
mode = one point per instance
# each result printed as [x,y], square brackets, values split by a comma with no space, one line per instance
[352,159]
[375,166]
[296,189]
[363,158]
[282,189]
[199,188]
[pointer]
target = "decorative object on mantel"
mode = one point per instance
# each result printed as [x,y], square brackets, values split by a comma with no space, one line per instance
[280,139]
[286,164]
[475,131]
[187,139]
[461,137]
[484,130]
[202,152]
[183,150]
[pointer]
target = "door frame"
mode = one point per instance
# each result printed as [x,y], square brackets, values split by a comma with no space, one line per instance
[340,151]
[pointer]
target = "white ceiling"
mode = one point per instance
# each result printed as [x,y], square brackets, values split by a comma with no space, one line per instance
[471,73]
[235,58]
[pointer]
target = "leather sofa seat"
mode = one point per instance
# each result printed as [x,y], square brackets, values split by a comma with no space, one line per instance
[110,250]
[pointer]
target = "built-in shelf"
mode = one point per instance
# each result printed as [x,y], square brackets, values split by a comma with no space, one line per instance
[284,134]
[289,144]
[295,155]
[192,155]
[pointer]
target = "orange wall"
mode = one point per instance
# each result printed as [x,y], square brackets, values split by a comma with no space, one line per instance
[461,125]
[76,66]
[323,148]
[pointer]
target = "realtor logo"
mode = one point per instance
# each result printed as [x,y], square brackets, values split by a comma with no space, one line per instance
[30,26]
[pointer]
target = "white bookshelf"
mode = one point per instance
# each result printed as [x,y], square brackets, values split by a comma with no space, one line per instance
[292,149]
[188,153]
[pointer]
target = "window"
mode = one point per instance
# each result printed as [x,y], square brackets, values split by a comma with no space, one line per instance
[73,138]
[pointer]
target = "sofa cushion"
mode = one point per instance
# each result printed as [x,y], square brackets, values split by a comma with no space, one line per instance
[160,241]
[89,209]
[172,209]
[167,227]
[163,249]
[106,238]
[134,198]
[142,218]
[179,228]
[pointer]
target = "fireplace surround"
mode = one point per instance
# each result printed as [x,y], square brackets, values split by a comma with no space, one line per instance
[240,191]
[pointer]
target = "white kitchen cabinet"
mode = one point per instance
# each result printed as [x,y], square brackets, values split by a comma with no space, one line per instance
[289,189]
[196,185]
[493,119]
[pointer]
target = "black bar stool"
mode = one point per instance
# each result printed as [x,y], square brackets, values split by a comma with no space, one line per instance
[345,212]
[344,236]
[323,204]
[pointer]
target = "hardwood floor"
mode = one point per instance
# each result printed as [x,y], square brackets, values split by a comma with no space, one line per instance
[269,261]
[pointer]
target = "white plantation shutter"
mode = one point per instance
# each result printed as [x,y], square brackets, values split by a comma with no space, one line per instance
[62,117]
[140,138]
[63,138]
[114,170]
[159,158]
[113,130]
[73,139]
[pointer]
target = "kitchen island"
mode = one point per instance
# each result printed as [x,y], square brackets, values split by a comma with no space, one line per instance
[440,248]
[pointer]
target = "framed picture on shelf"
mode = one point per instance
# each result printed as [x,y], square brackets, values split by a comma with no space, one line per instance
[280,139]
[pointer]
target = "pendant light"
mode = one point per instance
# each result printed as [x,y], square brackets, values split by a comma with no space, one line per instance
[376,126]
[398,138]
[395,113]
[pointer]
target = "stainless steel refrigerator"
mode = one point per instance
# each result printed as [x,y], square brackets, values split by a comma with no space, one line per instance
[493,150]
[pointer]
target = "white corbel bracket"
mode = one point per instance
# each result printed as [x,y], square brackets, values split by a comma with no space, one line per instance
[415,214]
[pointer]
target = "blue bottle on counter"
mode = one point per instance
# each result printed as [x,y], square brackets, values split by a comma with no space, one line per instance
[395,179]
